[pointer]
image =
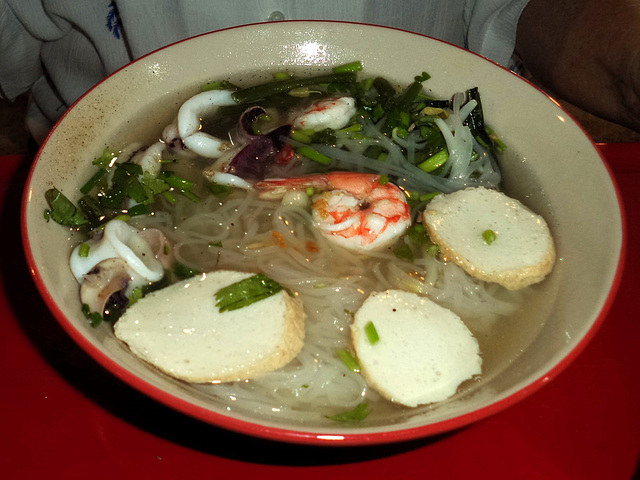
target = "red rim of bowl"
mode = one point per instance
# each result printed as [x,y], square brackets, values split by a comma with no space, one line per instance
[303,437]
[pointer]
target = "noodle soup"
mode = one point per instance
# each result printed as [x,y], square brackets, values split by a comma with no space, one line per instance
[219,221]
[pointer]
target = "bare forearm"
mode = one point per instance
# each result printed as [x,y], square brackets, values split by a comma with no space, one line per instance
[587,52]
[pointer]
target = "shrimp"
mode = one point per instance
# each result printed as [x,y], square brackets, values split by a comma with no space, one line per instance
[332,112]
[355,210]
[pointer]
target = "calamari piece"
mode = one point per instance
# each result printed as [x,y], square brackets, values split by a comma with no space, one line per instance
[119,240]
[151,159]
[190,123]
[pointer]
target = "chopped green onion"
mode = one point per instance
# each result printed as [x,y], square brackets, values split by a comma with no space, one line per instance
[265,90]
[349,360]
[372,333]
[314,155]
[435,161]
[356,415]
[310,191]
[218,85]
[300,136]
[84,250]
[245,292]
[281,76]
[383,180]
[489,236]
[348,67]
[302,92]
[425,197]
[136,295]
[356,127]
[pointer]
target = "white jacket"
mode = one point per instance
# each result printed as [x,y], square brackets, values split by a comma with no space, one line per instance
[59,49]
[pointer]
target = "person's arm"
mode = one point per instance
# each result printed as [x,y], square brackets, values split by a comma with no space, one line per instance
[586,52]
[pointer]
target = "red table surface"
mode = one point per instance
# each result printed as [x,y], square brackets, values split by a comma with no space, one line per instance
[63,416]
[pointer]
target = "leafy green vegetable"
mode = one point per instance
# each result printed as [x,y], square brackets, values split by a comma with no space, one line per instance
[94,318]
[356,415]
[245,292]
[183,272]
[403,252]
[61,210]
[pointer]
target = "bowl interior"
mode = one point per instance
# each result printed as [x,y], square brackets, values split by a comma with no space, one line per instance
[549,164]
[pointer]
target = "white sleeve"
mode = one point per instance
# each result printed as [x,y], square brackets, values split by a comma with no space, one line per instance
[491,27]
[19,47]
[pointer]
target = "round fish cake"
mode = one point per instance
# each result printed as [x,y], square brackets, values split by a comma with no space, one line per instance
[491,236]
[423,352]
[180,330]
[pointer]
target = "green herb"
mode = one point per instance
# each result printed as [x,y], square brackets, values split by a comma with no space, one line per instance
[245,292]
[94,318]
[422,78]
[93,181]
[403,252]
[383,180]
[139,209]
[220,190]
[349,360]
[489,236]
[356,415]
[372,333]
[182,271]
[61,210]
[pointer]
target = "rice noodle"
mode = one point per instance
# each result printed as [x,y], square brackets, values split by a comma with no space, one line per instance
[331,282]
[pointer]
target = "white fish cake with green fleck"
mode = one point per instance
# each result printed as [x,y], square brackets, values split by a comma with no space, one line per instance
[180,330]
[491,236]
[423,351]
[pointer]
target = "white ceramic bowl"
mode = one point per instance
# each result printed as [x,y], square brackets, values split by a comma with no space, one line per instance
[550,164]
